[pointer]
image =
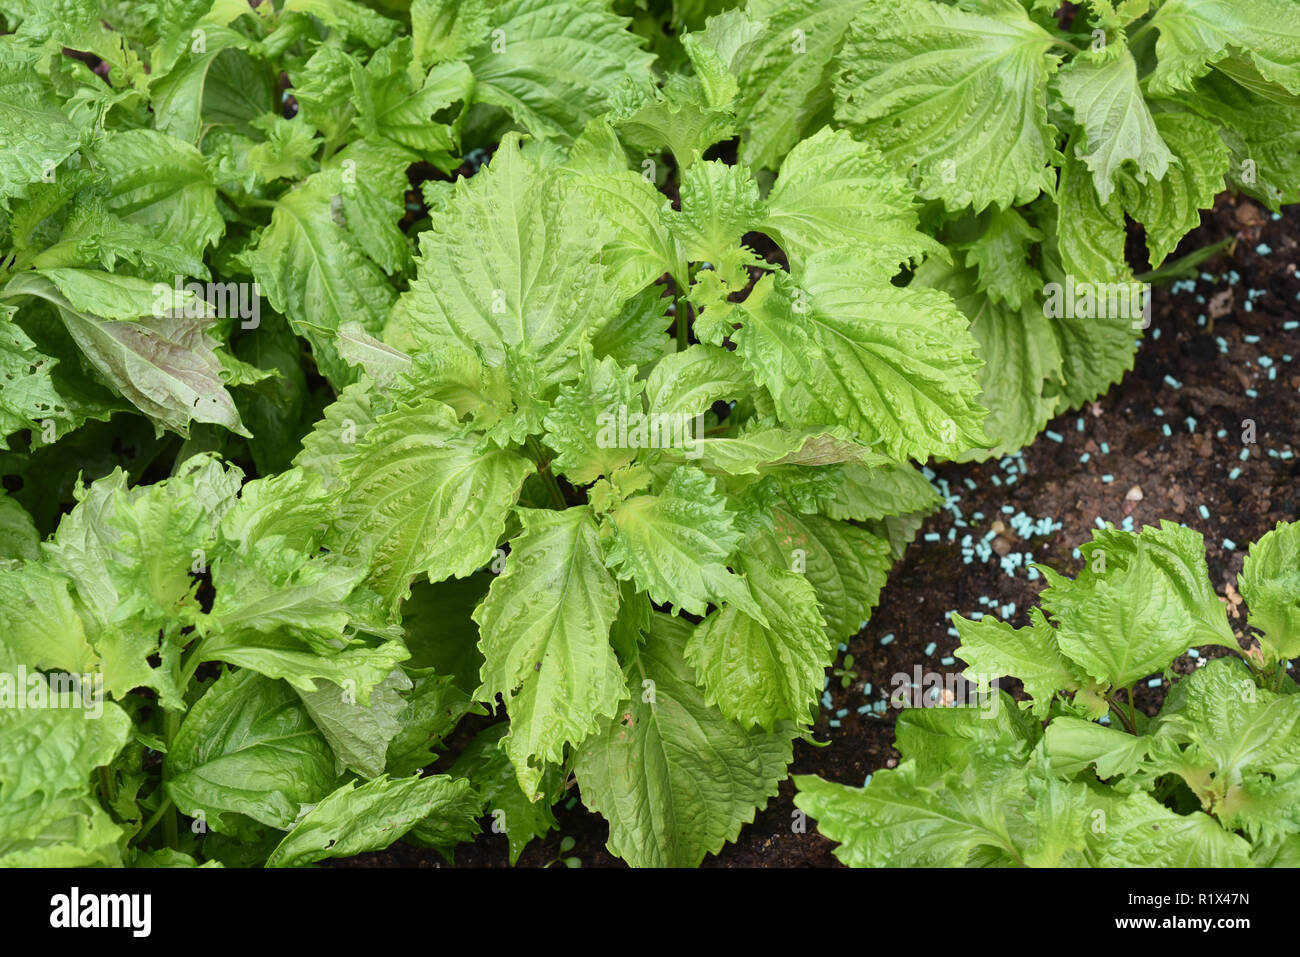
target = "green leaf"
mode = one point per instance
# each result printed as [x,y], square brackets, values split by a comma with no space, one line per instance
[845,564]
[1073,745]
[1001,255]
[1021,378]
[759,674]
[993,649]
[393,105]
[1263,135]
[165,366]
[835,191]
[324,91]
[545,637]
[1197,33]
[49,815]
[35,136]
[690,381]
[679,114]
[961,95]
[553,65]
[18,535]
[780,52]
[110,296]
[221,87]
[129,554]
[453,821]
[439,628]
[761,448]
[446,29]
[529,280]
[352,820]
[493,776]
[374,197]
[1231,729]
[674,545]
[641,247]
[1101,87]
[1140,832]
[430,712]
[894,365]
[582,425]
[1090,233]
[28,394]
[282,655]
[287,151]
[359,735]
[1270,583]
[248,748]
[334,438]
[316,273]
[1172,208]
[1140,601]
[877,489]
[423,499]
[350,17]
[161,183]
[905,819]
[674,778]
[275,590]
[720,203]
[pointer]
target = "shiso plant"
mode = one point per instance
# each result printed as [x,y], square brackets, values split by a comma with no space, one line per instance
[365,366]
[1078,776]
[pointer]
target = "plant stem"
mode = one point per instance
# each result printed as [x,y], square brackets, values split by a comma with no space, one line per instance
[683,326]
[171,828]
[544,470]
[1124,719]
[1132,714]
[106,783]
[154,818]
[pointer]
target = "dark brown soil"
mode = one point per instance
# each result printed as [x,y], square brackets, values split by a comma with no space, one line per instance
[1123,434]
